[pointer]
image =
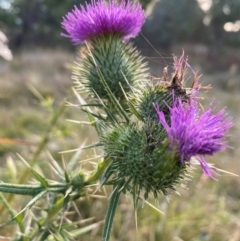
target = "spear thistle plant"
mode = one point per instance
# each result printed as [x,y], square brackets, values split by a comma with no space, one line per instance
[149,132]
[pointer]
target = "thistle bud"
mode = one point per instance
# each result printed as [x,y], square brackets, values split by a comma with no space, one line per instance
[141,161]
[117,63]
[162,91]
[77,179]
[161,94]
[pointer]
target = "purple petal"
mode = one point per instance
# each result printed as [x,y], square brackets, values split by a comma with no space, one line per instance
[205,167]
[98,18]
[196,134]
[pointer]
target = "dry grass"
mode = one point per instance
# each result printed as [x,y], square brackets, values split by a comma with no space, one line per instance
[207,210]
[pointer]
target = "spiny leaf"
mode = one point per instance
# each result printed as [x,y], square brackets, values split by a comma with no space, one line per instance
[102,166]
[59,234]
[40,178]
[55,209]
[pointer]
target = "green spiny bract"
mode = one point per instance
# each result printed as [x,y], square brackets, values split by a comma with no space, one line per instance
[116,61]
[141,162]
[162,95]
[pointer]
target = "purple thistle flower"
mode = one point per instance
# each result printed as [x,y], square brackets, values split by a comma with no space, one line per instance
[194,133]
[98,18]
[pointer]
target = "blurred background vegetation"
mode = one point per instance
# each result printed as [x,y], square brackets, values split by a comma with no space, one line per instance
[36,83]
[210,22]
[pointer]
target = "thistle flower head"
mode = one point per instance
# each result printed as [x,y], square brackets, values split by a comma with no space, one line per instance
[194,133]
[124,19]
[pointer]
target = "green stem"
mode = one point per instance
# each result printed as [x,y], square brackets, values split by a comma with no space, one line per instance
[31,190]
[112,206]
